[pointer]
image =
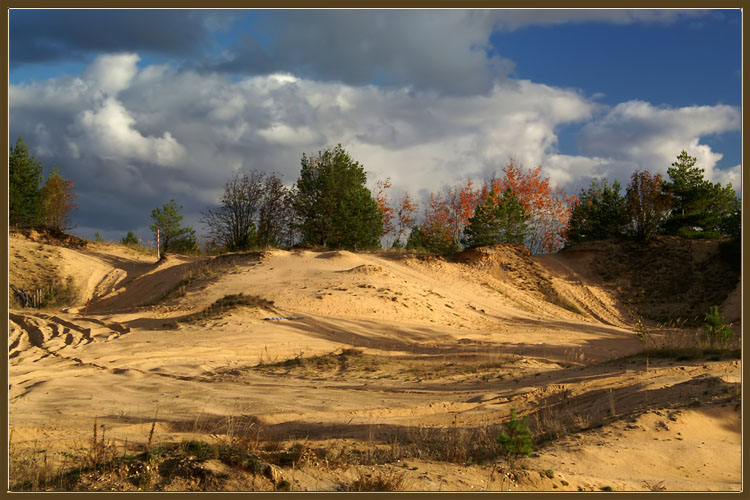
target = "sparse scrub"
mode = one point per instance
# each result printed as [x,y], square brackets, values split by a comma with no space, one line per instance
[557,419]
[677,340]
[54,294]
[226,304]
[454,444]
[203,271]
[352,362]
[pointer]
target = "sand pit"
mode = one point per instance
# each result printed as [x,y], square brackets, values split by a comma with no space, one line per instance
[393,367]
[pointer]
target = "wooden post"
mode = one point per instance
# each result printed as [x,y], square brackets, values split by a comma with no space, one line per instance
[157,243]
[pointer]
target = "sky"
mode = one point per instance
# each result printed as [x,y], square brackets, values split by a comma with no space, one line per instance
[139,107]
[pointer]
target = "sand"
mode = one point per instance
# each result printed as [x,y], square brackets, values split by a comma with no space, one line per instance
[555,336]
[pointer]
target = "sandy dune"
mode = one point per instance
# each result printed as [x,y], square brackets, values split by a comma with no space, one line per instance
[449,344]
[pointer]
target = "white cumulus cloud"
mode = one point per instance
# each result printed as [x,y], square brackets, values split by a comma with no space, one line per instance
[650,137]
[113,134]
[112,73]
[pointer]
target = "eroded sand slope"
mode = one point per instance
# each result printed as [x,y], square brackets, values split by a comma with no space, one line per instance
[452,344]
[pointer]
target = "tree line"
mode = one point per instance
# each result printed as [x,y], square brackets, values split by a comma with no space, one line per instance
[685,204]
[330,206]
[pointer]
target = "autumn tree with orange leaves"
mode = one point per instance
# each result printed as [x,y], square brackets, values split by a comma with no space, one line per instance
[386,211]
[447,215]
[548,209]
[57,202]
[436,234]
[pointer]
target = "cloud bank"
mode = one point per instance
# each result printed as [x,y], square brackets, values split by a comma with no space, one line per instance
[134,137]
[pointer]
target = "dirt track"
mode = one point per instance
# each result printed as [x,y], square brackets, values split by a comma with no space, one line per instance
[441,345]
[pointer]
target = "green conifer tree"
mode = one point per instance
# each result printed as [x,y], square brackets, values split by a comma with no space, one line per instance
[334,207]
[24,187]
[173,237]
[502,220]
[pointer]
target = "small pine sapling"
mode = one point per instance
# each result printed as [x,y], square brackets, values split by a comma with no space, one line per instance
[715,328]
[516,440]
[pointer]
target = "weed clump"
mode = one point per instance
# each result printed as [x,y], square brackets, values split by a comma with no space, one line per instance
[378,481]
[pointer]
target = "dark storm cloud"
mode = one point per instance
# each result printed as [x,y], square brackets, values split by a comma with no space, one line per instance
[50,35]
[447,51]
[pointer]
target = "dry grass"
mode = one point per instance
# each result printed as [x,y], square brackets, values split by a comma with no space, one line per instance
[655,486]
[390,480]
[557,417]
[139,249]
[685,344]
[351,362]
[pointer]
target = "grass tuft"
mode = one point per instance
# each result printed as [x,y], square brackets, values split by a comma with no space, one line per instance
[392,480]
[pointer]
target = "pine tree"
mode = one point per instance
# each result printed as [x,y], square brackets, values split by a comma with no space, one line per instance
[484,226]
[24,187]
[599,213]
[513,218]
[515,440]
[699,207]
[687,183]
[334,206]
[502,220]
[173,237]
[129,239]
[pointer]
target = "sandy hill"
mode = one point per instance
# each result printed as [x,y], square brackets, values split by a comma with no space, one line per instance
[374,347]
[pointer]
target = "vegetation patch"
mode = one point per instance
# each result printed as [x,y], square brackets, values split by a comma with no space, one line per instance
[226,304]
[353,362]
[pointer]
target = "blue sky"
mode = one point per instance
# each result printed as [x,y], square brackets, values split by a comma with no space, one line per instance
[138,107]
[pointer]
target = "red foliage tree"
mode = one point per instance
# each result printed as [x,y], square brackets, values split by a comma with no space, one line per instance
[462,200]
[385,209]
[405,216]
[549,209]
[437,228]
